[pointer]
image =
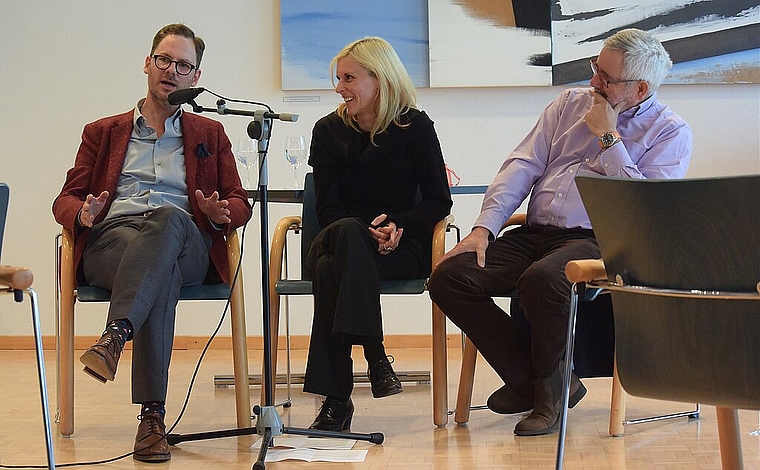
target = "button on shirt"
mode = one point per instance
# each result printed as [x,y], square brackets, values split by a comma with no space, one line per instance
[656,143]
[154,169]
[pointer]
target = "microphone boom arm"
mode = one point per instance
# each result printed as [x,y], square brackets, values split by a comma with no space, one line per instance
[223,110]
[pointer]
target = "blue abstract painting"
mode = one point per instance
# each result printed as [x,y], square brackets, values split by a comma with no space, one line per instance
[314,31]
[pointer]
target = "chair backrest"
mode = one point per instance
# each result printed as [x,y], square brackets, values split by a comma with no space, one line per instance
[681,234]
[694,236]
[5,194]
[309,223]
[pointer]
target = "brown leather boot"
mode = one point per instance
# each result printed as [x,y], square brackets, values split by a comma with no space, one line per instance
[150,441]
[507,401]
[547,401]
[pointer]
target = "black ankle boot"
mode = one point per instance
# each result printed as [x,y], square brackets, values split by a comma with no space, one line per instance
[384,381]
[335,415]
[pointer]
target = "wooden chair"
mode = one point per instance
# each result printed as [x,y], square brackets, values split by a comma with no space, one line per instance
[16,280]
[308,227]
[682,266]
[68,292]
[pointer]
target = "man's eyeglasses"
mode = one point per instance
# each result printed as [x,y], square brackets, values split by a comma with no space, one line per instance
[163,63]
[606,81]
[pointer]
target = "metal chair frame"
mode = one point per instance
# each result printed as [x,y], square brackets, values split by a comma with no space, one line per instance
[579,291]
[730,443]
[17,280]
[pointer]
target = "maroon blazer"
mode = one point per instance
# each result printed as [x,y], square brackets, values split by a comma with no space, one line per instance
[209,165]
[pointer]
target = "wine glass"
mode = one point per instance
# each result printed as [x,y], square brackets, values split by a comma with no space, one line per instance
[295,154]
[245,153]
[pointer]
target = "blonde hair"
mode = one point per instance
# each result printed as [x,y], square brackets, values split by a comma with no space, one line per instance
[397,93]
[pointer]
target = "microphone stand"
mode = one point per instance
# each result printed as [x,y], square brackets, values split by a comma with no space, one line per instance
[268,421]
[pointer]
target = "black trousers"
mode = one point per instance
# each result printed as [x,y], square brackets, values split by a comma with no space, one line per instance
[144,261]
[531,261]
[346,269]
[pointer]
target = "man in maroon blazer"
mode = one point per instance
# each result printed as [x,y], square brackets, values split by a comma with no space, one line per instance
[150,198]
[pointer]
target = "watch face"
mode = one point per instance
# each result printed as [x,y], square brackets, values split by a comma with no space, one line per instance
[607,139]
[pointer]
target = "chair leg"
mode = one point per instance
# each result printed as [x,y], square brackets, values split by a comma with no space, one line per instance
[440,372]
[617,404]
[66,364]
[569,349]
[239,335]
[274,327]
[65,334]
[730,440]
[466,381]
[41,376]
[618,420]
[240,356]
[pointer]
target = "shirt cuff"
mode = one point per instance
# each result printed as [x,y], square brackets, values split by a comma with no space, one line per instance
[217,227]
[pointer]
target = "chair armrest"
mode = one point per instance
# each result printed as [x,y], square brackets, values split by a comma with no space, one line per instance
[233,253]
[276,252]
[585,270]
[15,277]
[516,219]
[439,238]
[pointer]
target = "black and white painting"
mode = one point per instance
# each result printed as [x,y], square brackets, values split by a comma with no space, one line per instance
[709,41]
[480,43]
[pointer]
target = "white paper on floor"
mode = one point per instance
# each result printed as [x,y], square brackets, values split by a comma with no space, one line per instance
[324,449]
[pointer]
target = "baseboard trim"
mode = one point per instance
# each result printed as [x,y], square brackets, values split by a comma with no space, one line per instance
[225,342]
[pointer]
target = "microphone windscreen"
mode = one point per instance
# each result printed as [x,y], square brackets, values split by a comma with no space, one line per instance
[184,95]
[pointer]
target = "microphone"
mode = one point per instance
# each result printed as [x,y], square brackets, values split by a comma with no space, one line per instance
[290,117]
[185,95]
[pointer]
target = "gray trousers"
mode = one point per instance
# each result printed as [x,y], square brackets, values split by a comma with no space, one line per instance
[144,260]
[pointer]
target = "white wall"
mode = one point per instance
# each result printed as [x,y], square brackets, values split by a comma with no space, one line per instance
[67,63]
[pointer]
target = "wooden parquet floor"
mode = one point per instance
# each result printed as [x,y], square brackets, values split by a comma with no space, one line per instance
[105,424]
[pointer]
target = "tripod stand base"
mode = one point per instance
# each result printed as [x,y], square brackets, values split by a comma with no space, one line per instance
[174,439]
[269,425]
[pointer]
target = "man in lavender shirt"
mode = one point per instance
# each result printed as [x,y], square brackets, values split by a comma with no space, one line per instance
[618,129]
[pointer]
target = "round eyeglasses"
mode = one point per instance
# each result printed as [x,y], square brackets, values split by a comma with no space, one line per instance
[602,76]
[162,63]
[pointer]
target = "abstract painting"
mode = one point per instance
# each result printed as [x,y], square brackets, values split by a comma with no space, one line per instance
[477,43]
[495,43]
[709,41]
[314,31]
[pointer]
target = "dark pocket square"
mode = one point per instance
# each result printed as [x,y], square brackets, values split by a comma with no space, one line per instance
[202,151]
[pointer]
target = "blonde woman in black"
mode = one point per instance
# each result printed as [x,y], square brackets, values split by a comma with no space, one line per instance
[381,187]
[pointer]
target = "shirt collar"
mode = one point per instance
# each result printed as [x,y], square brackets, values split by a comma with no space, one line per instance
[641,107]
[142,128]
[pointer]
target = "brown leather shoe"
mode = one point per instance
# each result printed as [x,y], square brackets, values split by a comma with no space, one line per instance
[101,359]
[150,442]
